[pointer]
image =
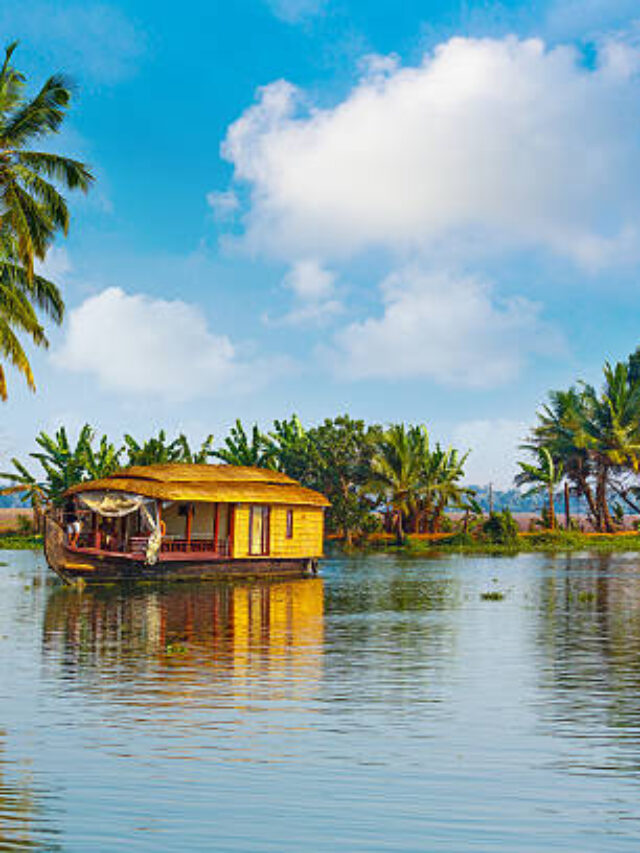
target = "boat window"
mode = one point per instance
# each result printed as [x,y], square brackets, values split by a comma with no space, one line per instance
[289,524]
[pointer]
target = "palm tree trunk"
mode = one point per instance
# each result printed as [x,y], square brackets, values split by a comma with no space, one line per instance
[567,506]
[605,524]
[399,529]
[552,509]
[585,489]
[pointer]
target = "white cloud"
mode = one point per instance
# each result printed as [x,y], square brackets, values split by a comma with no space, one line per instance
[488,143]
[313,289]
[136,344]
[450,329]
[93,40]
[294,11]
[494,445]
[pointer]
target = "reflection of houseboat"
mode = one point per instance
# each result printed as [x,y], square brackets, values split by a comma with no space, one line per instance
[186,521]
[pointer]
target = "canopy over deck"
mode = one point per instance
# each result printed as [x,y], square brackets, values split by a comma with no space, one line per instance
[208,483]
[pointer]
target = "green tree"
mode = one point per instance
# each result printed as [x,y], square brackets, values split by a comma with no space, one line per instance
[560,428]
[33,210]
[62,464]
[338,464]
[543,477]
[397,470]
[256,451]
[159,450]
[444,470]
[611,432]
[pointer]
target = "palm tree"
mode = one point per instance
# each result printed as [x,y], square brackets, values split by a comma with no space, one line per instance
[23,483]
[32,209]
[397,470]
[560,429]
[543,477]
[444,471]
[611,432]
[19,292]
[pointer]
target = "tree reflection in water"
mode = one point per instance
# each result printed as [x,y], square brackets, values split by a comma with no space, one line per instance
[589,632]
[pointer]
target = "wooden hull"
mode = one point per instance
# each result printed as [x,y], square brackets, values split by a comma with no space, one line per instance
[74,566]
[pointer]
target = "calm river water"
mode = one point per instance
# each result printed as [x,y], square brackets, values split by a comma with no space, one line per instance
[387,706]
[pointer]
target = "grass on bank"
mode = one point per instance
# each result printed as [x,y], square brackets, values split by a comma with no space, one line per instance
[20,542]
[544,541]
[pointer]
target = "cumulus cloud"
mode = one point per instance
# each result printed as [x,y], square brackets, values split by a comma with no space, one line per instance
[453,330]
[136,344]
[487,143]
[314,298]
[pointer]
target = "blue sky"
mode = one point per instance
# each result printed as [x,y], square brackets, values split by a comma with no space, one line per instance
[420,212]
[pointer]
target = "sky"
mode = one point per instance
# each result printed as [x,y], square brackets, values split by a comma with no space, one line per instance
[419,212]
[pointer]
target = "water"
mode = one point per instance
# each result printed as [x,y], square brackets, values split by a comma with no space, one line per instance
[387,706]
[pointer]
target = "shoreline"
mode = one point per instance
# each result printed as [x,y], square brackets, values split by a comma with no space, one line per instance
[544,541]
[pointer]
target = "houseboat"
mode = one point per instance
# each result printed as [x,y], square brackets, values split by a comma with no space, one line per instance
[178,521]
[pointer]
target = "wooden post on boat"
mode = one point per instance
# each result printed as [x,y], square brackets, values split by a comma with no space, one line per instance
[189,523]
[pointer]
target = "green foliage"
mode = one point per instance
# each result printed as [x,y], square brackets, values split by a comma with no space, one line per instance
[592,438]
[63,465]
[158,450]
[33,209]
[240,449]
[500,529]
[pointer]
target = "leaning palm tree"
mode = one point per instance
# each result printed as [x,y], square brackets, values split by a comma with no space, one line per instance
[32,209]
[561,429]
[611,430]
[20,295]
[543,477]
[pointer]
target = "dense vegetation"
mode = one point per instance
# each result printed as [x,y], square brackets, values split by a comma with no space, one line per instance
[374,477]
[33,210]
[588,441]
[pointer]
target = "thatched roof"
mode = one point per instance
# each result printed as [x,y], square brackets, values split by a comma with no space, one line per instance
[210,483]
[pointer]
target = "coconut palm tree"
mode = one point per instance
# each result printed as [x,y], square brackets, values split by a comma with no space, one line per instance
[611,432]
[560,429]
[543,477]
[444,472]
[19,293]
[397,470]
[32,209]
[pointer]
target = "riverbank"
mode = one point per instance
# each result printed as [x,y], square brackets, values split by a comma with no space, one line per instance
[539,542]
[20,542]
[458,543]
